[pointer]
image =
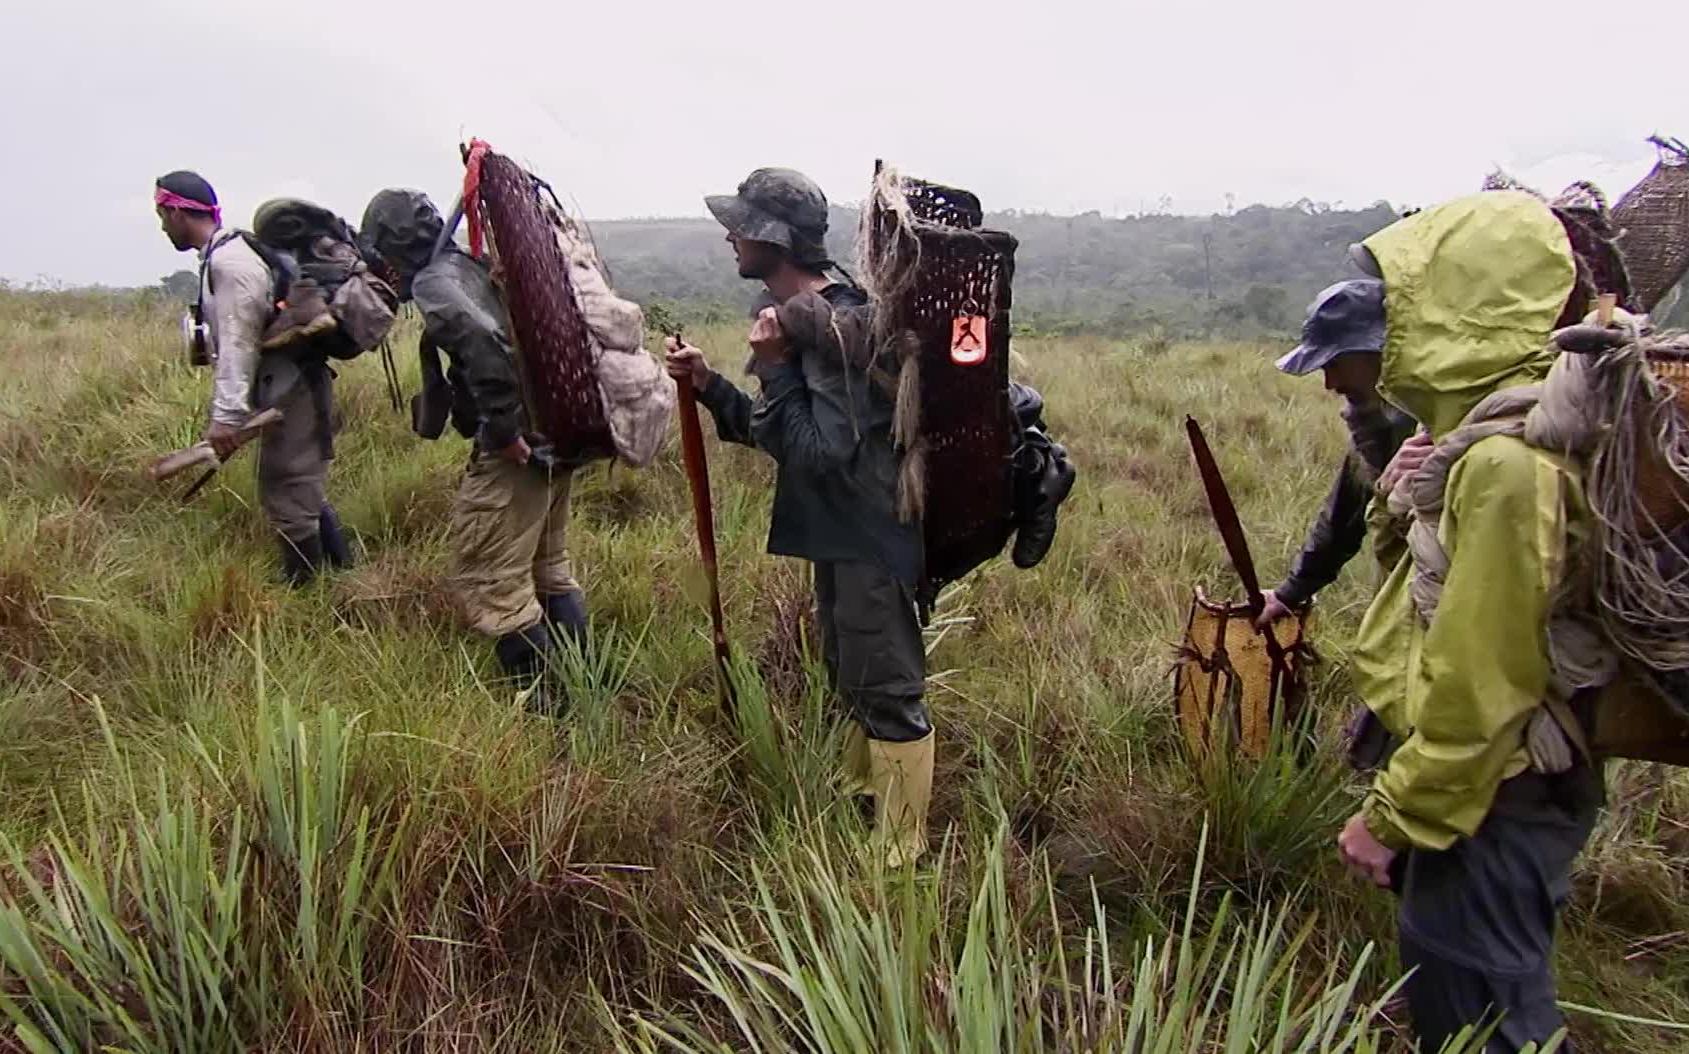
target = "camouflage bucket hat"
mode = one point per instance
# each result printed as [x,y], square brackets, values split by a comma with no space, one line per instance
[780,206]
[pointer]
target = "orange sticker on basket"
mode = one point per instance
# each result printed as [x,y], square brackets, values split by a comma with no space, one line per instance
[967,340]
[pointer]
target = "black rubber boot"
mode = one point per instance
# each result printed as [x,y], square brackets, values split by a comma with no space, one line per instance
[522,656]
[335,546]
[301,560]
[1037,530]
[565,613]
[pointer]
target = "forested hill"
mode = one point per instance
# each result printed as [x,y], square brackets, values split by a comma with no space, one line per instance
[1252,270]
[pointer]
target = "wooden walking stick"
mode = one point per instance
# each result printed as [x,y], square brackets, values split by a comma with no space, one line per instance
[698,480]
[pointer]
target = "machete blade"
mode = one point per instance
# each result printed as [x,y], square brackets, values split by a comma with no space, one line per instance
[1225,515]
[187,495]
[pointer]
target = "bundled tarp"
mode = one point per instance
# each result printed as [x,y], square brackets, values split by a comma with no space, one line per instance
[639,398]
[334,302]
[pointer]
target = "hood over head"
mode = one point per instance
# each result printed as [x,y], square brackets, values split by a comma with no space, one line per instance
[1472,291]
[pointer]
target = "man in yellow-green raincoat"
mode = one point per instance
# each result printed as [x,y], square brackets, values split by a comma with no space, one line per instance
[1477,844]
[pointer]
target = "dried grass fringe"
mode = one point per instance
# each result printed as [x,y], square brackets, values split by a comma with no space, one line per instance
[888,263]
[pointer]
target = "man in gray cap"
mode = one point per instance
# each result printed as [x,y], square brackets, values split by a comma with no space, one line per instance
[1343,336]
[827,422]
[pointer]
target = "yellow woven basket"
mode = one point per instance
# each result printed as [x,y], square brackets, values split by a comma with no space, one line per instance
[1662,494]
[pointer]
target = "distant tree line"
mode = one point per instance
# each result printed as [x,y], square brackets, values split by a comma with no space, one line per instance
[1248,273]
[181,285]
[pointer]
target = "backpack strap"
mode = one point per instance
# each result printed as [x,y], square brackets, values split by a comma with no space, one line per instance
[281,267]
[1561,712]
[281,270]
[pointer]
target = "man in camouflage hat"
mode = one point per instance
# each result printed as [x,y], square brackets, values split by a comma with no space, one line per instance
[777,214]
[1343,337]
[828,425]
[510,571]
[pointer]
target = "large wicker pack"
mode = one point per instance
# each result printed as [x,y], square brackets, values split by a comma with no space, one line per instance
[1663,494]
[1653,223]
[949,314]
[554,346]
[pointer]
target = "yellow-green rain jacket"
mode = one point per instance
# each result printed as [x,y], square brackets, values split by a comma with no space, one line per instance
[1472,291]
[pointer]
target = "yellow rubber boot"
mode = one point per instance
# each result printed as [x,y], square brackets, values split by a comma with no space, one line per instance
[856,773]
[901,776]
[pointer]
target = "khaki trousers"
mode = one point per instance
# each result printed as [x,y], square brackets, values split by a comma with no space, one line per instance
[508,527]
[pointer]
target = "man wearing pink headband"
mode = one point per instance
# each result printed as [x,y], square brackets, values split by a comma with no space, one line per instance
[237,291]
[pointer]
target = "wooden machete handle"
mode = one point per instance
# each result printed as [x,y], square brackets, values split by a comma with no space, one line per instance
[201,453]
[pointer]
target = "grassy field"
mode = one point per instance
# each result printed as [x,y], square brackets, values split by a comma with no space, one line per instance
[239,818]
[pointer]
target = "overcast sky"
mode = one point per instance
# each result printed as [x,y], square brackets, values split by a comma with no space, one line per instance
[636,108]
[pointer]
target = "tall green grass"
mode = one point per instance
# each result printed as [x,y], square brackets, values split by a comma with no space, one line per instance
[239,817]
[170,925]
[815,965]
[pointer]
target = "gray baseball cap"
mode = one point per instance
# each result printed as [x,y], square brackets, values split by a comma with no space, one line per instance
[780,206]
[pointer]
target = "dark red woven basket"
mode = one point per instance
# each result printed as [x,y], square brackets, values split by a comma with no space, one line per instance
[1601,268]
[966,424]
[943,206]
[552,339]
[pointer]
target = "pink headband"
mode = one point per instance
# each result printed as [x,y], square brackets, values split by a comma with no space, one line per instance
[171,200]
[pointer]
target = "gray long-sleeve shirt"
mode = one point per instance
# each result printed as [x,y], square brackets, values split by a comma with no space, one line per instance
[828,427]
[236,289]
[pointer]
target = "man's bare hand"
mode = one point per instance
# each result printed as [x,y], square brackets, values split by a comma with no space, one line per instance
[517,453]
[1276,609]
[686,362]
[1407,461]
[1365,856]
[224,439]
[768,342]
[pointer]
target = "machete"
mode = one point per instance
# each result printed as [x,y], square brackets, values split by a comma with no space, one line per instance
[698,480]
[1231,532]
[201,453]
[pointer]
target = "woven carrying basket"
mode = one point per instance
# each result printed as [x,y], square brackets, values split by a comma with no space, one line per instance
[967,430]
[1664,495]
[943,206]
[1223,682]
[554,346]
[1653,218]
